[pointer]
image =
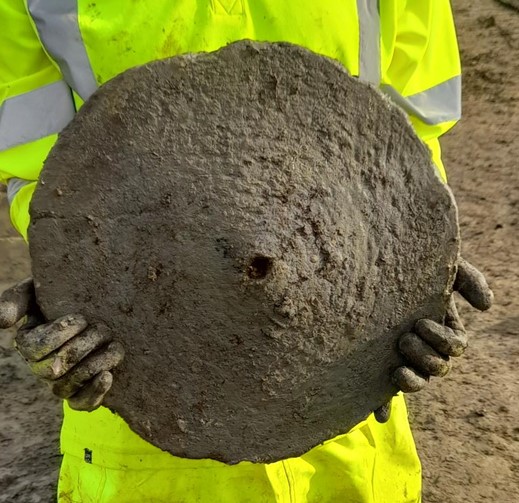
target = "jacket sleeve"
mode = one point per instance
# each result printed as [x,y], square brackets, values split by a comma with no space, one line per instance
[35,104]
[421,66]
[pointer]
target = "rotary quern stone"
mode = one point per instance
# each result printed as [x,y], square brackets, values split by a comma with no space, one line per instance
[257,228]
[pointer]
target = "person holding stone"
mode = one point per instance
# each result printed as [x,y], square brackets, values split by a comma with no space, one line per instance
[55,55]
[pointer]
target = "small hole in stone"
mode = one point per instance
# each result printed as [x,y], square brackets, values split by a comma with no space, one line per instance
[259,267]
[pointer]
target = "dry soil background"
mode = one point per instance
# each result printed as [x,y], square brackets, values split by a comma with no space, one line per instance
[467,424]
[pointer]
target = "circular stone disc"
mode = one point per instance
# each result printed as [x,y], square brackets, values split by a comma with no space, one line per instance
[256,228]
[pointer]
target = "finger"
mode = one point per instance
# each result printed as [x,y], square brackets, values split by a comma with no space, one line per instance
[423,357]
[34,319]
[106,358]
[472,285]
[71,353]
[443,339]
[383,413]
[15,303]
[39,342]
[91,395]
[452,318]
[408,380]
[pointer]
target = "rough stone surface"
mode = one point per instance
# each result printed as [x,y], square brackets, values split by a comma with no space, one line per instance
[257,228]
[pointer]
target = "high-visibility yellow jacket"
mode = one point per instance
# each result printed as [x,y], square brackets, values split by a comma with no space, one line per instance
[55,53]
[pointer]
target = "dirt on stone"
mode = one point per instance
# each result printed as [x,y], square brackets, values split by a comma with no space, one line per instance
[249,236]
[465,424]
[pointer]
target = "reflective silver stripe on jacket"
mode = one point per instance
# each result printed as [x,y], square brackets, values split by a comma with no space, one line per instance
[35,114]
[13,187]
[58,27]
[441,103]
[369,41]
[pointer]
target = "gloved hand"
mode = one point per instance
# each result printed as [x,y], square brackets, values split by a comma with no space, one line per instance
[428,349]
[73,358]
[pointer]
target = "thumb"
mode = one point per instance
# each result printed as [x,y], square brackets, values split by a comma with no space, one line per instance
[383,413]
[472,286]
[15,303]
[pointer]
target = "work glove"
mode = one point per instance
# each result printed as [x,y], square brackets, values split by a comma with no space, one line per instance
[427,350]
[73,358]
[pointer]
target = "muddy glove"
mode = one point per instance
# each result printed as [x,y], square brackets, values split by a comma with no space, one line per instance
[73,358]
[428,349]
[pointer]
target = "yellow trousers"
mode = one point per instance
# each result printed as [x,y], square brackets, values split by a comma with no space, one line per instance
[373,463]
